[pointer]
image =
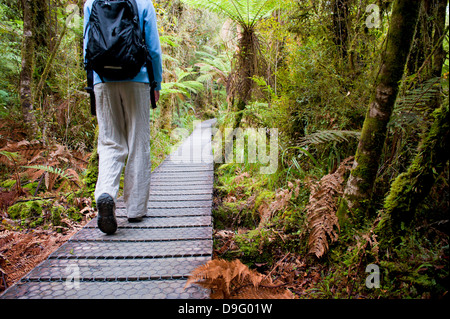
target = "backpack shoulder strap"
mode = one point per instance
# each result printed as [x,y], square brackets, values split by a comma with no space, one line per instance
[149,65]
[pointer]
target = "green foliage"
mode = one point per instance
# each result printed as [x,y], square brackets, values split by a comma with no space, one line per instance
[302,86]
[50,169]
[10,33]
[244,12]
[91,174]
[255,246]
[46,213]
[323,137]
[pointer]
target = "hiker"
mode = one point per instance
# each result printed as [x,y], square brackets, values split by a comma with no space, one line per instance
[122,101]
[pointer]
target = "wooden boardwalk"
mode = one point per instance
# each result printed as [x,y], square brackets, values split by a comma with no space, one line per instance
[151,259]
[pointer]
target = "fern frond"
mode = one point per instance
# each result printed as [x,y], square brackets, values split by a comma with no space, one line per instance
[412,107]
[234,280]
[24,149]
[418,98]
[328,136]
[50,169]
[10,156]
[321,210]
[245,12]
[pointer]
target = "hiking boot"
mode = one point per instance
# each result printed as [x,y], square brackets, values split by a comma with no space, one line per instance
[106,218]
[135,219]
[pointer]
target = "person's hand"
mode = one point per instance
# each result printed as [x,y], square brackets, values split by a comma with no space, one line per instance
[156,96]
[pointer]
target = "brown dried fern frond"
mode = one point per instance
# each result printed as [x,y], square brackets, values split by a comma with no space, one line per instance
[321,210]
[234,280]
[24,149]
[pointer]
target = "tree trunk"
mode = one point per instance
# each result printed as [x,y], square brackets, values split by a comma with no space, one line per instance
[249,64]
[439,29]
[421,43]
[340,26]
[361,181]
[430,29]
[45,70]
[410,188]
[165,118]
[26,75]
[41,23]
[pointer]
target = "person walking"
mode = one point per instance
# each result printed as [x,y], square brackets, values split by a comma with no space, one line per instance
[122,107]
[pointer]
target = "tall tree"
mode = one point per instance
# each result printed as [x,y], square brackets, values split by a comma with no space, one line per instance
[249,61]
[26,75]
[41,18]
[340,12]
[36,40]
[360,184]
[410,188]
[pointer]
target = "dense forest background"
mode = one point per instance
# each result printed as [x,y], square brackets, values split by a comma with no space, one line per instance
[358,93]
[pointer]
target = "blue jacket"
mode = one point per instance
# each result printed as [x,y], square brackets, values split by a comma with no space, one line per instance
[146,13]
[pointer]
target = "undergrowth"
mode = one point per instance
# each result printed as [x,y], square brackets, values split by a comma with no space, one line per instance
[262,220]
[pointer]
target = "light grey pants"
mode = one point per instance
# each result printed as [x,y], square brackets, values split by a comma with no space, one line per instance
[123,114]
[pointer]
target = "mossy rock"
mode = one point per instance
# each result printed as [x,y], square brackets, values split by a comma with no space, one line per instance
[31,187]
[28,209]
[74,214]
[33,213]
[255,246]
[56,215]
[8,184]
[30,213]
[235,215]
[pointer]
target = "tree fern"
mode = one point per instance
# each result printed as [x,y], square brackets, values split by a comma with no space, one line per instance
[245,12]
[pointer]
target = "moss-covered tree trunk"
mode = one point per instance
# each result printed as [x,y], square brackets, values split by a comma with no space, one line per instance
[42,35]
[165,119]
[26,74]
[34,54]
[362,177]
[409,189]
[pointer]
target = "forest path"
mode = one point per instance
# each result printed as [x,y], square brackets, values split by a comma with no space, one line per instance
[151,259]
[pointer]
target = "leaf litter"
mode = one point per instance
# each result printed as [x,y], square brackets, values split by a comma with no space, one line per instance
[23,249]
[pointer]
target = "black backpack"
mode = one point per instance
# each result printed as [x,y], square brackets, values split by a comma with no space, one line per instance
[116,49]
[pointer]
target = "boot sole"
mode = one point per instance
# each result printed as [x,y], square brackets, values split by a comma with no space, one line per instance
[106,219]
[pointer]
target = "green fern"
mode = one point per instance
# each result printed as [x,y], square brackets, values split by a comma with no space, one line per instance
[328,136]
[50,169]
[213,66]
[412,107]
[182,86]
[420,96]
[13,157]
[245,12]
